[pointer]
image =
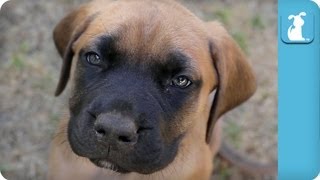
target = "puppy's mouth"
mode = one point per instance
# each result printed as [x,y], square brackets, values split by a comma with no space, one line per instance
[107,165]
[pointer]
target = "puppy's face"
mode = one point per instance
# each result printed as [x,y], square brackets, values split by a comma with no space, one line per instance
[126,109]
[141,81]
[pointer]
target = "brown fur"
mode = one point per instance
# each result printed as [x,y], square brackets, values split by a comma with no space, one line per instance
[153,29]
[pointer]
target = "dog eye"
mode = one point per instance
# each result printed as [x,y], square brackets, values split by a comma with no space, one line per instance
[181,82]
[93,58]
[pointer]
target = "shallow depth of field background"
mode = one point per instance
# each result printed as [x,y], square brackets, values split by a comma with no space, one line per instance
[30,66]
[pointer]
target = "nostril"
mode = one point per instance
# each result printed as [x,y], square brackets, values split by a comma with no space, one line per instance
[125,139]
[100,132]
[128,139]
[139,130]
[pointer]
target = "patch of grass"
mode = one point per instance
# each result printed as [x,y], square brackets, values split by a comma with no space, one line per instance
[17,62]
[257,23]
[54,117]
[241,39]
[265,95]
[44,83]
[222,170]
[17,58]
[24,48]
[224,173]
[233,132]
[223,16]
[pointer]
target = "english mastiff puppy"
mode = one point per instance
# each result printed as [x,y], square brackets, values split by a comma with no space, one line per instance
[149,81]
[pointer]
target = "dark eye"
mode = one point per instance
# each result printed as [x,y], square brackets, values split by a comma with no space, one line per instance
[181,82]
[93,58]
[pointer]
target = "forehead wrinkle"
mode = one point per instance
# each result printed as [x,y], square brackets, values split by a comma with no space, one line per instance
[150,34]
[138,37]
[154,30]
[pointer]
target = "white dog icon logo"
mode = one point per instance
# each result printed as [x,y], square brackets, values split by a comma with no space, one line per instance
[295,30]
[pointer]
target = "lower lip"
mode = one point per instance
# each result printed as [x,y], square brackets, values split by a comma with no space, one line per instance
[107,165]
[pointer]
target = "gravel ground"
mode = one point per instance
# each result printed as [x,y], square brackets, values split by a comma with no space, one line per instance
[29,67]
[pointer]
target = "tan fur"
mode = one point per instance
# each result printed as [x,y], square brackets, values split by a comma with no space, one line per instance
[153,28]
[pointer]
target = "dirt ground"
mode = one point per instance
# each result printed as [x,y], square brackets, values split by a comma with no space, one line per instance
[30,65]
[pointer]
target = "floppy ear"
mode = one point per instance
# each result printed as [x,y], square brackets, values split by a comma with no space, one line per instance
[236,80]
[303,14]
[290,17]
[65,34]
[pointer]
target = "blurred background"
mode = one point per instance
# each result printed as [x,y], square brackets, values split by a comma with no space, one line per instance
[30,66]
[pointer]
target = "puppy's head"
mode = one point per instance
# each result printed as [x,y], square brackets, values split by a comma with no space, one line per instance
[143,72]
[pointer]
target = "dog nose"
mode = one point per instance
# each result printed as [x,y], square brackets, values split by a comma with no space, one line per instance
[116,129]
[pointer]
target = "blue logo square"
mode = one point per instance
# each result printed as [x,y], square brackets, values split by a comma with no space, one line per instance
[297,27]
